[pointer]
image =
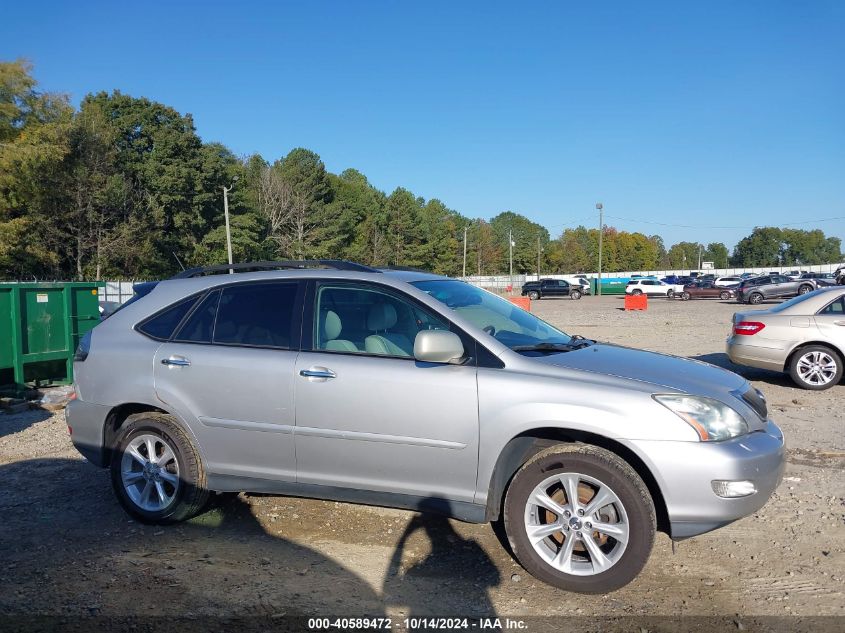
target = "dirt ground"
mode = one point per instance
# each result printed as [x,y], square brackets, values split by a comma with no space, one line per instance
[67,549]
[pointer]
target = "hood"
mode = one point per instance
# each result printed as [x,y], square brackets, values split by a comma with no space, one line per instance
[667,373]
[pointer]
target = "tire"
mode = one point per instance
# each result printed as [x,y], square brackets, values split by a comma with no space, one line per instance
[685,296]
[575,294]
[802,290]
[724,295]
[755,298]
[593,470]
[636,292]
[670,294]
[829,364]
[173,492]
[533,295]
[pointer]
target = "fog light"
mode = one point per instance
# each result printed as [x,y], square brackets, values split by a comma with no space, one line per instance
[733,489]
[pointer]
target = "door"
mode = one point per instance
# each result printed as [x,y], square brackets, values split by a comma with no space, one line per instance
[228,371]
[370,417]
[831,322]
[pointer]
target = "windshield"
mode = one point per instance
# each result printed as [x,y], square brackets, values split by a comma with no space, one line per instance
[501,319]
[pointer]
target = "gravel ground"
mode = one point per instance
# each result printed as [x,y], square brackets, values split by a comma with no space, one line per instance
[69,550]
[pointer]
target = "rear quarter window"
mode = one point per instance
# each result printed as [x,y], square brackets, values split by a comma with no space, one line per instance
[161,326]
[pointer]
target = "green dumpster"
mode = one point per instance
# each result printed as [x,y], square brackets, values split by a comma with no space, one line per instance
[610,285]
[40,327]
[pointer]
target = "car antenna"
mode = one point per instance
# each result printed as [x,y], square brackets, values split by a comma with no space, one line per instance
[177,259]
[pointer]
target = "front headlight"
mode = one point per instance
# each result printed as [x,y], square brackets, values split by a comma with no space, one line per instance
[712,420]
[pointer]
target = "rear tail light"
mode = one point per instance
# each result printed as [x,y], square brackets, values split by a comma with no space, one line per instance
[748,328]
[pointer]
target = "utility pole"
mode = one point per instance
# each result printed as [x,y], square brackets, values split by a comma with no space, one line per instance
[510,255]
[600,207]
[700,246]
[538,257]
[465,251]
[226,191]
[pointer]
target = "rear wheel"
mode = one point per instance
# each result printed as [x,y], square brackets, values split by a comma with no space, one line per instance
[670,294]
[636,292]
[685,296]
[533,295]
[156,472]
[755,298]
[578,517]
[575,294]
[724,295]
[805,289]
[816,367]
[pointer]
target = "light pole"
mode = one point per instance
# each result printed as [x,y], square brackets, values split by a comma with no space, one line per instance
[600,207]
[465,251]
[226,191]
[510,255]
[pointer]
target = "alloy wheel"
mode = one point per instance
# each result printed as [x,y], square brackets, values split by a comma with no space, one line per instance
[149,472]
[576,524]
[816,368]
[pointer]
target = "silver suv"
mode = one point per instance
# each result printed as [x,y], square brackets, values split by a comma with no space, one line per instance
[400,388]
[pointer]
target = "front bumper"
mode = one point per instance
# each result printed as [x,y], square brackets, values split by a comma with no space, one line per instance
[685,470]
[87,423]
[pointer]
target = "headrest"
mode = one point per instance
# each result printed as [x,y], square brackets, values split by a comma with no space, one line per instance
[382,316]
[332,326]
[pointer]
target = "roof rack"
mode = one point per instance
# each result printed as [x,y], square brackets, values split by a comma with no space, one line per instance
[409,269]
[336,264]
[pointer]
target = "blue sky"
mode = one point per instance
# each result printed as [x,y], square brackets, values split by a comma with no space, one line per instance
[708,114]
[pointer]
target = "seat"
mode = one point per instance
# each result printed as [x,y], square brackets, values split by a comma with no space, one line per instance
[380,318]
[332,327]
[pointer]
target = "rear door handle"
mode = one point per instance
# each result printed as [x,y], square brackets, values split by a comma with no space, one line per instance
[318,372]
[176,361]
[839,323]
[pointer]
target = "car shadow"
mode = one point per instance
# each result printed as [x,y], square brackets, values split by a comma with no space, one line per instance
[69,549]
[721,359]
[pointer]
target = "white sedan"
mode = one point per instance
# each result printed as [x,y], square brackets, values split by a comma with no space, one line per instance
[652,288]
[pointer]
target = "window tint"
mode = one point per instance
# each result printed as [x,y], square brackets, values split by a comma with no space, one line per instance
[256,315]
[366,320]
[162,325]
[200,325]
[837,307]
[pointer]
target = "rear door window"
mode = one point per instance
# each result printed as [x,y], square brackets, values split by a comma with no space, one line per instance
[258,315]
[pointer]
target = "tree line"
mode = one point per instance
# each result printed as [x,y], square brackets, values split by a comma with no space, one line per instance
[123,187]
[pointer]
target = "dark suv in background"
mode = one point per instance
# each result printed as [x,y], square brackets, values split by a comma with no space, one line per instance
[551,288]
[774,286]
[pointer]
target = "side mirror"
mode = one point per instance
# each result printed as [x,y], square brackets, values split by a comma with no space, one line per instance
[438,346]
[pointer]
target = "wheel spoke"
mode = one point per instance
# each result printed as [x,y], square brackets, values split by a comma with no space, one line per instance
[563,560]
[151,449]
[170,478]
[570,484]
[540,498]
[131,476]
[617,531]
[597,558]
[132,450]
[599,500]
[537,533]
[162,497]
[145,493]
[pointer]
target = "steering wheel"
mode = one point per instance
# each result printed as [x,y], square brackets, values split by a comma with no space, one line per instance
[490,330]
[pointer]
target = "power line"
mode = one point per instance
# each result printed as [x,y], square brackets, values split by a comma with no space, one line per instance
[699,226]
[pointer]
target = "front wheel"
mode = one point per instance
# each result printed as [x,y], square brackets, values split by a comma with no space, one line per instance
[685,296]
[724,295]
[816,367]
[579,518]
[670,294]
[533,295]
[755,299]
[156,472]
[575,294]
[636,292]
[804,289]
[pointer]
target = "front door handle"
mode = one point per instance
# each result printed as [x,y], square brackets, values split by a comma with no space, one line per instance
[176,361]
[318,372]
[839,323]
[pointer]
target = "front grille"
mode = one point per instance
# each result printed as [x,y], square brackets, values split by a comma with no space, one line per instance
[755,399]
